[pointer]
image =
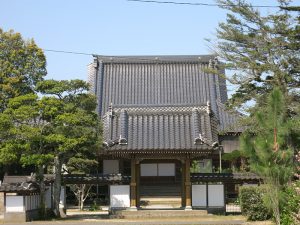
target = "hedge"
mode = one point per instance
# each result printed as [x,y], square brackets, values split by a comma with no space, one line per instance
[252,204]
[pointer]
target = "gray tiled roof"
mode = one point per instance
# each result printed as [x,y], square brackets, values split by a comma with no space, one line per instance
[156,58]
[19,184]
[228,120]
[159,127]
[154,97]
[155,80]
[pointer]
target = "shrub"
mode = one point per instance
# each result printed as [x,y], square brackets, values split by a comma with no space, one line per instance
[252,204]
[290,210]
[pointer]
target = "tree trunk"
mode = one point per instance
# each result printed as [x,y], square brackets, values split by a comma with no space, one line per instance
[57,187]
[82,187]
[40,179]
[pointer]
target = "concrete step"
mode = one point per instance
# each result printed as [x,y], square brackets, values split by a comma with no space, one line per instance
[160,202]
[161,199]
[126,214]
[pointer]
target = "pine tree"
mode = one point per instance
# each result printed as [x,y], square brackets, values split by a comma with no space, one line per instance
[262,51]
[270,151]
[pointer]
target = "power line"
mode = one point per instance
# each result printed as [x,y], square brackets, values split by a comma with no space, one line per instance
[67,52]
[112,57]
[104,56]
[92,54]
[200,4]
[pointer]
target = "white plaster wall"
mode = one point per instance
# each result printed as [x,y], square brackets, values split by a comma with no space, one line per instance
[166,169]
[216,195]
[119,196]
[14,203]
[148,169]
[110,166]
[199,195]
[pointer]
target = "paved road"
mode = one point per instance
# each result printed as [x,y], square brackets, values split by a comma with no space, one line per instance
[95,220]
[102,218]
[102,222]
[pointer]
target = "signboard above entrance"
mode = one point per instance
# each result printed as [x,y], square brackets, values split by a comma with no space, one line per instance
[157,169]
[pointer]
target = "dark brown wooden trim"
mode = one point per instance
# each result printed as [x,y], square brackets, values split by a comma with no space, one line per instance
[183,183]
[188,199]
[133,184]
[138,172]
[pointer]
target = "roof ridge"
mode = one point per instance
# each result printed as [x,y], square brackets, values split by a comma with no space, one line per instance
[156,58]
[158,105]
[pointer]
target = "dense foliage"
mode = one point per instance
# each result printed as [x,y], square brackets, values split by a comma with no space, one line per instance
[75,126]
[42,123]
[291,207]
[262,49]
[270,151]
[252,203]
[22,65]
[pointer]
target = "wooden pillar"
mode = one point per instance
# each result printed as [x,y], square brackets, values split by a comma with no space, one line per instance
[133,185]
[138,172]
[182,183]
[188,197]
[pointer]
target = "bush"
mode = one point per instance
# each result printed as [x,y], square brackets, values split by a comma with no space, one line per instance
[290,208]
[252,204]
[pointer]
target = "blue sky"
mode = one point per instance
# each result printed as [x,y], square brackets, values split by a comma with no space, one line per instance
[110,27]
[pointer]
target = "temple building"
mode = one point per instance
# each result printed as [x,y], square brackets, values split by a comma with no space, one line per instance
[165,128]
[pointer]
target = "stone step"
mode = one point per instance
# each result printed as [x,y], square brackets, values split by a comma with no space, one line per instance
[127,214]
[160,202]
[161,199]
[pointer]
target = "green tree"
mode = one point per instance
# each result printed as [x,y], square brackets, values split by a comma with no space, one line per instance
[270,151]
[262,51]
[74,124]
[55,127]
[26,132]
[22,65]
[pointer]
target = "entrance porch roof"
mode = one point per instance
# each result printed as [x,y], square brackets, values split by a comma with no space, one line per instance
[160,128]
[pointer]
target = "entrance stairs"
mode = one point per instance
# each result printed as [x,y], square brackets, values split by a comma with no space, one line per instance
[160,190]
[159,214]
[161,196]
